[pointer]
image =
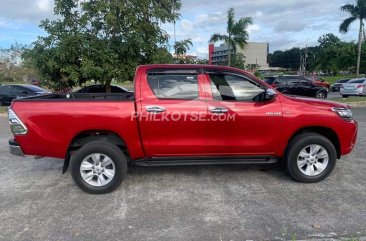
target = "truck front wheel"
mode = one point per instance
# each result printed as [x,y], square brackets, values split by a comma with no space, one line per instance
[98,167]
[310,157]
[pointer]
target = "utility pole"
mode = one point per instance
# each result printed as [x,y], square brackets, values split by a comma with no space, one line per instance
[175,40]
[306,56]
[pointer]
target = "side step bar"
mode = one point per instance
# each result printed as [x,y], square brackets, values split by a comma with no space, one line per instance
[182,161]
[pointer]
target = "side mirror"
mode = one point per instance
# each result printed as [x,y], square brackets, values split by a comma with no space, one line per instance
[270,95]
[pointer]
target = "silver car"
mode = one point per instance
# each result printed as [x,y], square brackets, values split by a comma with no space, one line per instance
[354,87]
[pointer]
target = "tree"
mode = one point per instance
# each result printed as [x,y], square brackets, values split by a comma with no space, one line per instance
[237,33]
[11,67]
[181,48]
[101,40]
[357,12]
[289,59]
[162,56]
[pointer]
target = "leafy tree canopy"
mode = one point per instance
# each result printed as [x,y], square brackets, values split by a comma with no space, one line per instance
[101,40]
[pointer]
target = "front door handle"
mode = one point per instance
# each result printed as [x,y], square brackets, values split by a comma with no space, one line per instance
[218,110]
[155,109]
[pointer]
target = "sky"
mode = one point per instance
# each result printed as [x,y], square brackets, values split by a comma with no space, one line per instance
[282,23]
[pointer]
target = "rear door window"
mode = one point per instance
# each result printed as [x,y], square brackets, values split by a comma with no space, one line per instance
[292,81]
[305,82]
[170,84]
[18,90]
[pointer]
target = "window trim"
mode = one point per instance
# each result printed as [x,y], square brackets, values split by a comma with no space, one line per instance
[192,71]
[208,72]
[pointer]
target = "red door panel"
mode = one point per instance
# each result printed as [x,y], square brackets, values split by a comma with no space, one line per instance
[245,127]
[170,127]
[248,129]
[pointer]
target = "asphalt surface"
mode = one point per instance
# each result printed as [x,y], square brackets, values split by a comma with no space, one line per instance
[332,95]
[182,203]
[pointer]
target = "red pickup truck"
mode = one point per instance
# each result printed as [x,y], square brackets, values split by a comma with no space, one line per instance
[182,115]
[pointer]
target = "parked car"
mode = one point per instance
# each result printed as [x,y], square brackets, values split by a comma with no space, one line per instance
[297,85]
[10,92]
[337,85]
[354,87]
[182,115]
[322,82]
[102,89]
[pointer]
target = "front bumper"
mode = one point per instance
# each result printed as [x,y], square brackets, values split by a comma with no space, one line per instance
[15,148]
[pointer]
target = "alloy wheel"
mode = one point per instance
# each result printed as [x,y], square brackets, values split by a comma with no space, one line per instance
[313,160]
[97,169]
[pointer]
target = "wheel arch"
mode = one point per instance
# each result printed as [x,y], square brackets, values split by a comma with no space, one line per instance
[321,130]
[87,136]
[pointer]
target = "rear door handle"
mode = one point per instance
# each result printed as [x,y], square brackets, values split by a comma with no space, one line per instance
[155,109]
[218,110]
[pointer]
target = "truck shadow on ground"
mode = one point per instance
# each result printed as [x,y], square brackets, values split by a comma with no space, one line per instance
[274,170]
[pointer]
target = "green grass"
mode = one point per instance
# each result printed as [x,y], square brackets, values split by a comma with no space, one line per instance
[332,79]
[3,109]
[351,99]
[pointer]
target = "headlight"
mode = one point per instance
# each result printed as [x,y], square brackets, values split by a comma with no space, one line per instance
[344,113]
[16,125]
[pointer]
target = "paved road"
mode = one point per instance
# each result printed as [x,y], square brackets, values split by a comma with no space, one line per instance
[182,203]
[332,95]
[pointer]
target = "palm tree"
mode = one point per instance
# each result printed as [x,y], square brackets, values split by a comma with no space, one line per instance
[181,47]
[237,33]
[357,12]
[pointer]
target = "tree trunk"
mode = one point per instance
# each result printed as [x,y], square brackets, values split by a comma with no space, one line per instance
[359,50]
[108,87]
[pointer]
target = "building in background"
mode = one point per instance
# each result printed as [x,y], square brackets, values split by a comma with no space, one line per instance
[187,57]
[256,54]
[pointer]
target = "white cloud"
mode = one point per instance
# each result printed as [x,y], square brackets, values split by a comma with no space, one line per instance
[8,24]
[293,26]
[44,5]
[202,50]
[187,25]
[253,28]
[258,13]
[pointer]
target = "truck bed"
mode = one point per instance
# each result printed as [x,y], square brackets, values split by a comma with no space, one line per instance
[81,96]
[54,120]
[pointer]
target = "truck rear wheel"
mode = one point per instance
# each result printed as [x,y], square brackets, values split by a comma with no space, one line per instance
[98,167]
[310,158]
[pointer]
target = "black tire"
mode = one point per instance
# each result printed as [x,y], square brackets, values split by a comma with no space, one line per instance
[105,148]
[344,96]
[297,145]
[321,95]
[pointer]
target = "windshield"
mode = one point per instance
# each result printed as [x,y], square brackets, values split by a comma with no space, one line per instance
[343,81]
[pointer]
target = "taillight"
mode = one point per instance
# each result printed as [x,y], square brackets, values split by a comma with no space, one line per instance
[16,125]
[360,86]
